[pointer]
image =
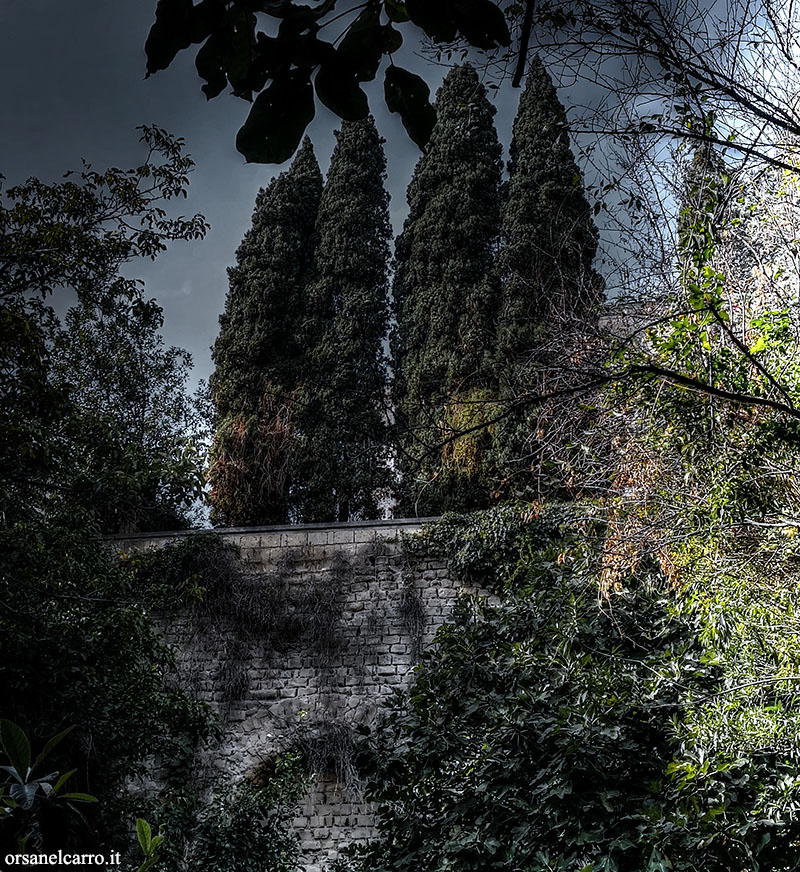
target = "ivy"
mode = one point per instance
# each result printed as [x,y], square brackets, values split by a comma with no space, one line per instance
[555,725]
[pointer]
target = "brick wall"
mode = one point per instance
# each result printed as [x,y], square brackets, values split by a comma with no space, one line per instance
[356,613]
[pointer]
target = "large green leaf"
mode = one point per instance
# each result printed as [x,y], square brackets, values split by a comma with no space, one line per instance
[171,32]
[79,797]
[362,45]
[51,744]
[144,834]
[210,62]
[340,91]
[482,23]
[62,781]
[434,18]
[407,94]
[16,745]
[23,794]
[278,119]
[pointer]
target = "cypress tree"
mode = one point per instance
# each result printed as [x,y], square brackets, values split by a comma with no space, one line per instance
[544,263]
[549,239]
[445,303]
[257,353]
[343,463]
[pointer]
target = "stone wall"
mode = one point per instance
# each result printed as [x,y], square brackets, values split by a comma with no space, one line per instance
[353,613]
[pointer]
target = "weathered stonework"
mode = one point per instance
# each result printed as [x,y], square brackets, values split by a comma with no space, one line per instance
[362,613]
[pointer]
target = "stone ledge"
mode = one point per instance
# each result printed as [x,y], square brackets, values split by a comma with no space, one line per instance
[277,528]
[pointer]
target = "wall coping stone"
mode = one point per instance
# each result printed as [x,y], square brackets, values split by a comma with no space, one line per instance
[276,528]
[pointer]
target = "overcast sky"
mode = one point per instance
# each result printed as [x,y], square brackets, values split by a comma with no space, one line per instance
[73,86]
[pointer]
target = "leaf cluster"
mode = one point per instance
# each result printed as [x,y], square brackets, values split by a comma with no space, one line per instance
[242,827]
[546,730]
[276,71]
[32,798]
[79,648]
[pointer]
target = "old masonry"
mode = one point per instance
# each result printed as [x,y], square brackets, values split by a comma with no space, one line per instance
[353,610]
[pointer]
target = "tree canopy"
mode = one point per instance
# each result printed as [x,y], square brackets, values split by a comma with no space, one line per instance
[88,427]
[549,240]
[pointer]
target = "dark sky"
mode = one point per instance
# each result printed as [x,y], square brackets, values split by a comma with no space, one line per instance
[73,86]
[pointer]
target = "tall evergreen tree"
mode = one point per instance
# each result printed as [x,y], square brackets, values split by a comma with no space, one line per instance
[549,239]
[446,301]
[544,263]
[258,355]
[342,436]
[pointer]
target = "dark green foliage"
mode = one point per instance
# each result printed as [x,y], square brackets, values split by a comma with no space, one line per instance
[343,431]
[95,435]
[34,801]
[79,649]
[258,355]
[242,828]
[92,409]
[545,732]
[549,239]
[281,67]
[201,574]
[138,460]
[549,287]
[446,300]
[197,568]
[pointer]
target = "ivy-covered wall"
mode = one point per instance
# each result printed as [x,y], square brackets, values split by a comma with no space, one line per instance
[300,648]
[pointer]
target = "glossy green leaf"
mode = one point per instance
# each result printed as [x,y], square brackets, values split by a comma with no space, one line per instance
[144,834]
[79,797]
[62,781]
[16,745]
[277,120]
[407,94]
[24,794]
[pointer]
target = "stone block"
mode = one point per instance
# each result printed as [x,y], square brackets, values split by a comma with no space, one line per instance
[252,556]
[270,539]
